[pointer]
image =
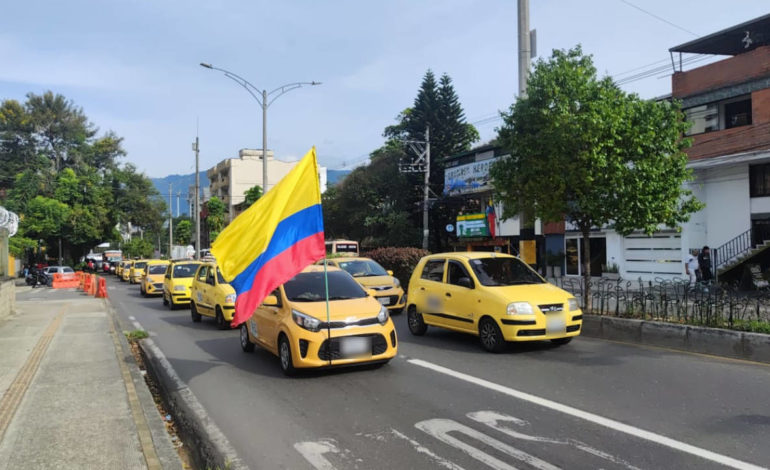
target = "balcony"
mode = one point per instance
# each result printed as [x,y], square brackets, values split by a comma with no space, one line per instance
[730,141]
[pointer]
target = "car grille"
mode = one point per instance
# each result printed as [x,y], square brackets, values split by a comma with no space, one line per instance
[158,285]
[531,332]
[393,299]
[393,338]
[342,324]
[303,344]
[330,349]
[551,308]
[380,287]
[572,328]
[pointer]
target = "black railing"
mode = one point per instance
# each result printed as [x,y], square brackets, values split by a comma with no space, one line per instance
[732,249]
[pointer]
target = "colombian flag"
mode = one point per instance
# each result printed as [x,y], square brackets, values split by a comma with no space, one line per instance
[274,239]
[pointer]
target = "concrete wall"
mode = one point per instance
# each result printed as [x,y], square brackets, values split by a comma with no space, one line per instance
[728,206]
[7,298]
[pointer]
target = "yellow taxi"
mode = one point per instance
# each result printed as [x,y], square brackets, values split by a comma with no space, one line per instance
[152,277]
[118,267]
[292,323]
[494,296]
[212,296]
[177,283]
[136,271]
[125,273]
[372,276]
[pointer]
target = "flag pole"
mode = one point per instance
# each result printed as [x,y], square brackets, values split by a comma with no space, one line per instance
[328,317]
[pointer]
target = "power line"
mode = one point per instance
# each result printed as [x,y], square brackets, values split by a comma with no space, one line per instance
[659,18]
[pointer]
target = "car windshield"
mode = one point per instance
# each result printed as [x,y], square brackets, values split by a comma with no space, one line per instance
[310,287]
[503,272]
[185,270]
[67,269]
[363,268]
[157,269]
[139,265]
[220,278]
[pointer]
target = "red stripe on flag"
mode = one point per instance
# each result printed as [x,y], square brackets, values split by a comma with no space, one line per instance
[277,271]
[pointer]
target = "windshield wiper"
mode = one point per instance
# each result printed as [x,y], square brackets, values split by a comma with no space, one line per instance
[341,297]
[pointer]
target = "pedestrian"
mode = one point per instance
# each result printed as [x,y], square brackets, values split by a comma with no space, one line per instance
[691,266]
[26,270]
[704,264]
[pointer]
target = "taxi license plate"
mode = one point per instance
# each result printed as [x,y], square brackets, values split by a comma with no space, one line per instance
[355,347]
[384,300]
[555,325]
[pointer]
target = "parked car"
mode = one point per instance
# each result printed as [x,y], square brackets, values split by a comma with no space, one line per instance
[371,275]
[49,271]
[494,296]
[177,283]
[152,277]
[212,296]
[292,323]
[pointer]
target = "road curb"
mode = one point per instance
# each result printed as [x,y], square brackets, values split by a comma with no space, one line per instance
[715,341]
[203,438]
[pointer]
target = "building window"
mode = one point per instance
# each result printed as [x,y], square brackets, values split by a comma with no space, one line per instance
[574,255]
[738,113]
[759,180]
[704,118]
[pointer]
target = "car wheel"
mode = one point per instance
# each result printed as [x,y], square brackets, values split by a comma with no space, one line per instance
[490,335]
[284,354]
[165,300]
[416,324]
[196,317]
[246,345]
[561,341]
[222,324]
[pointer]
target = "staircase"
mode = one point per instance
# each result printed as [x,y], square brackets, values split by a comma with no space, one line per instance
[739,250]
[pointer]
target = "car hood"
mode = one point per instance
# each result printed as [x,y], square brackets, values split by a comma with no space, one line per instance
[182,281]
[535,294]
[365,307]
[156,277]
[374,281]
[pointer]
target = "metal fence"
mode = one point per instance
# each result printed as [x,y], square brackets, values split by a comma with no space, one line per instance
[672,300]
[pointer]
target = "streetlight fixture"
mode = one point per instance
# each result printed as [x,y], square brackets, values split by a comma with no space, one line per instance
[265,99]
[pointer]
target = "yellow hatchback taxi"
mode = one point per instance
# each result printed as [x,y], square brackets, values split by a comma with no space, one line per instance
[212,296]
[136,271]
[152,278]
[118,267]
[125,273]
[177,283]
[372,276]
[494,296]
[292,323]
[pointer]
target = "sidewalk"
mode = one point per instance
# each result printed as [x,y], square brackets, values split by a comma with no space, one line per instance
[70,394]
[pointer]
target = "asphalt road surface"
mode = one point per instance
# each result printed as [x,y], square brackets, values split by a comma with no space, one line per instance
[445,403]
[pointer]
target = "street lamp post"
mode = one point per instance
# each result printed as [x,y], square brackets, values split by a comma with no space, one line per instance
[262,97]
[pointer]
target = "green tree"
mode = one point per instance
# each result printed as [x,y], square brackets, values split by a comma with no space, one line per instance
[584,150]
[215,217]
[138,248]
[252,194]
[183,232]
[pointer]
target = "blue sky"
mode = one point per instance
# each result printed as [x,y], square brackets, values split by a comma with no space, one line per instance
[132,65]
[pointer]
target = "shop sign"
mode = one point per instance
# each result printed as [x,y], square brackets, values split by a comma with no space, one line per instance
[469,178]
[472,225]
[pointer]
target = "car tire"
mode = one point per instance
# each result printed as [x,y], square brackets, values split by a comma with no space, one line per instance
[222,324]
[284,355]
[490,335]
[246,345]
[561,341]
[415,322]
[196,317]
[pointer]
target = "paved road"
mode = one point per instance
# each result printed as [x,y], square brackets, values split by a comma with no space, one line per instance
[444,403]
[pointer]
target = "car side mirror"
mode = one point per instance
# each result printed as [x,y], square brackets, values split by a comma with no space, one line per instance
[390,272]
[270,301]
[465,282]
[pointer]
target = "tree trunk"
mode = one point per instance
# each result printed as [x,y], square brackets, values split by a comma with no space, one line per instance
[586,268]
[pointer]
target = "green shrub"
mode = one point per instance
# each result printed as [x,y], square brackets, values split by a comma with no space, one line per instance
[399,260]
[753,326]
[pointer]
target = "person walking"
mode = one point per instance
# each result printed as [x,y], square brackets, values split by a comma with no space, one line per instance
[691,267]
[704,264]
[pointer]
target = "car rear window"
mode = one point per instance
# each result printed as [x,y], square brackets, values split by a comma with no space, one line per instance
[503,272]
[311,287]
[68,270]
[139,265]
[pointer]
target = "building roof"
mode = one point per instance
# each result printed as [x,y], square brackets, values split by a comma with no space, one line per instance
[731,41]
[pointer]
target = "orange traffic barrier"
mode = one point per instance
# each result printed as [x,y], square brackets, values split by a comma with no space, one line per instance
[102,291]
[92,286]
[81,280]
[64,281]
[87,283]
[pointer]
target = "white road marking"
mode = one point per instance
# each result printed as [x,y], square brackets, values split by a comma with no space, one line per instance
[424,450]
[440,429]
[593,418]
[314,451]
[493,418]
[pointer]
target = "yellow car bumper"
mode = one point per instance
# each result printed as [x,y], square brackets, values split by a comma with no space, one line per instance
[538,328]
[392,299]
[316,350]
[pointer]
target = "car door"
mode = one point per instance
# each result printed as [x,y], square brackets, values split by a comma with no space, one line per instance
[430,292]
[459,296]
[267,318]
[200,290]
[211,294]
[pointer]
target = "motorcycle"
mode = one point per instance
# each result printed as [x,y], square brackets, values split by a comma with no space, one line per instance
[36,278]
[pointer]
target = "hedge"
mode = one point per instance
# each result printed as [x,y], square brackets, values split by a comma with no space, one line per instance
[401,261]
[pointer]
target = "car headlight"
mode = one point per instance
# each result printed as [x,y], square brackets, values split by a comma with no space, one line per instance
[179,288]
[383,316]
[230,298]
[573,304]
[520,308]
[306,321]
[396,282]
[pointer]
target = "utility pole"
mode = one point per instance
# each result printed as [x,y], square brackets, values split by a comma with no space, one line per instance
[197,201]
[264,142]
[422,164]
[527,245]
[170,222]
